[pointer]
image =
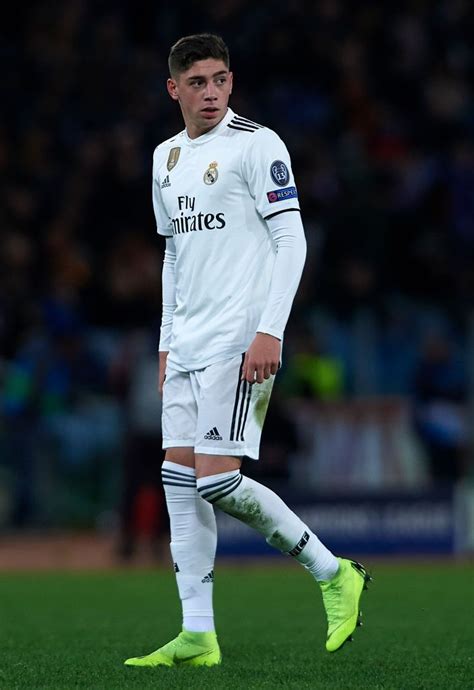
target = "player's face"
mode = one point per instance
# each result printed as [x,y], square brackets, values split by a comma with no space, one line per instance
[203,93]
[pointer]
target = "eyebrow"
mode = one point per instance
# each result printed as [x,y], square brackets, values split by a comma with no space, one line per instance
[200,76]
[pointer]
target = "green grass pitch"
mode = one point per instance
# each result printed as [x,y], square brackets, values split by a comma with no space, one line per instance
[73,630]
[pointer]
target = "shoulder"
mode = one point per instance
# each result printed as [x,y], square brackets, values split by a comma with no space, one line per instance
[161,152]
[258,144]
[245,128]
[240,124]
[250,134]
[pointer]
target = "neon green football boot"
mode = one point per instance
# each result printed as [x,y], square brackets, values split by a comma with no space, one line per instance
[341,597]
[188,649]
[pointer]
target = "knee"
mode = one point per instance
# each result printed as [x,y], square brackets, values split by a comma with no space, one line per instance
[179,480]
[216,487]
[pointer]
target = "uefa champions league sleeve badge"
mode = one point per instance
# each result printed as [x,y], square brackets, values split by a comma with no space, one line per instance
[280,173]
[211,174]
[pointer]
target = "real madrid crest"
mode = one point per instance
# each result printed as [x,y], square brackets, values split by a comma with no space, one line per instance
[173,157]
[211,174]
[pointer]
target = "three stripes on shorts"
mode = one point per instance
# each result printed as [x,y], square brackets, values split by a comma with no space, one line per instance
[241,407]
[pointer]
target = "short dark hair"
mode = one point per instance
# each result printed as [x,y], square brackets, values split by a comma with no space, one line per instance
[190,49]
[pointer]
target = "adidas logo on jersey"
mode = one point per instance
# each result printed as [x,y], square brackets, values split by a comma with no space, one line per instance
[166,182]
[213,435]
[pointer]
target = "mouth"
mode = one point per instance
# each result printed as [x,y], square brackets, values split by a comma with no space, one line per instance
[210,111]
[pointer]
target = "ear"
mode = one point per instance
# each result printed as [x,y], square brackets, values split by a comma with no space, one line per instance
[172,87]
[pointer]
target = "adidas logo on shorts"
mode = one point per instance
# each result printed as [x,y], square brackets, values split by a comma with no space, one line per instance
[213,435]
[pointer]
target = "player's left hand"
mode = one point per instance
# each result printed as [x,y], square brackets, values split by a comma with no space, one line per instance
[262,359]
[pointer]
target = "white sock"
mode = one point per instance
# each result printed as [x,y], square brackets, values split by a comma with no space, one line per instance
[193,545]
[262,509]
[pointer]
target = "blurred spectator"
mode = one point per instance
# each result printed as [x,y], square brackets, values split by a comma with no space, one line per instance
[143,515]
[127,291]
[16,296]
[49,399]
[310,371]
[440,413]
[280,441]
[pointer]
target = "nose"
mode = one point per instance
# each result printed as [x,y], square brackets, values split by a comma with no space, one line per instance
[210,93]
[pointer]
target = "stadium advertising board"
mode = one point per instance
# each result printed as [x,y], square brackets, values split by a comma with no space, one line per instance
[412,524]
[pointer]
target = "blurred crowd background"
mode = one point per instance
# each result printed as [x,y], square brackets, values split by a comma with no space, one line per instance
[374,101]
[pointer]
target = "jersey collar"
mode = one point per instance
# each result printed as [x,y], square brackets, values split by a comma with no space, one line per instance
[214,132]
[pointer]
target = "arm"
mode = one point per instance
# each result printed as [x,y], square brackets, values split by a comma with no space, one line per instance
[169,305]
[266,166]
[263,356]
[168,278]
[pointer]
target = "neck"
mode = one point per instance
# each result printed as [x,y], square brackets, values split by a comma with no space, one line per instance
[194,131]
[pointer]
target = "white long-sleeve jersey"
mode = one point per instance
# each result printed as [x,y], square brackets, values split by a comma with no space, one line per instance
[229,202]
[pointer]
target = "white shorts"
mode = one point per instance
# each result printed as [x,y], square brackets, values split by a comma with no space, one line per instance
[213,411]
